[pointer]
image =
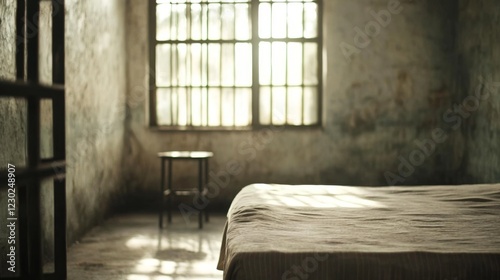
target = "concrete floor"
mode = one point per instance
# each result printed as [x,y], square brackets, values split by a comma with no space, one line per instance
[129,247]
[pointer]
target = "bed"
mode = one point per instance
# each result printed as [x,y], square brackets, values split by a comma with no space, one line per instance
[315,232]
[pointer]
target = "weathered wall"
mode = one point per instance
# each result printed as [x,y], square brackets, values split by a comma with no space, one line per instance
[479,91]
[377,101]
[96,90]
[95,103]
[12,116]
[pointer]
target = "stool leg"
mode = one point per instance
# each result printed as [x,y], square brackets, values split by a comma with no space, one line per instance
[162,186]
[169,200]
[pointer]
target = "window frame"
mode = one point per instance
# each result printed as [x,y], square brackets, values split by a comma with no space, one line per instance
[255,87]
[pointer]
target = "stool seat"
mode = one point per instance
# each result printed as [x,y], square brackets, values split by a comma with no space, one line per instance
[202,157]
[186,154]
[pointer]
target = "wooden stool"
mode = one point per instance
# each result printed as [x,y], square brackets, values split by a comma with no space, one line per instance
[202,157]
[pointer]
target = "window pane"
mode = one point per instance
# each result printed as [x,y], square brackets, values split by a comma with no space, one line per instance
[279,19]
[228,66]
[243,26]
[214,110]
[196,64]
[243,102]
[265,105]
[182,106]
[163,13]
[204,64]
[181,22]
[214,64]
[228,106]
[163,65]
[205,102]
[243,60]
[228,22]
[196,21]
[163,106]
[294,103]
[196,107]
[265,63]
[311,20]
[311,63]
[181,62]
[310,105]
[294,64]
[295,13]
[279,105]
[214,21]
[279,63]
[264,20]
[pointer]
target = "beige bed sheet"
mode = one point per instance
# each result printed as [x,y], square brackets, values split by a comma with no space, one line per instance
[315,232]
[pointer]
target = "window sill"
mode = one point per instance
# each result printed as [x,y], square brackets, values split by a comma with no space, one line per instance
[233,129]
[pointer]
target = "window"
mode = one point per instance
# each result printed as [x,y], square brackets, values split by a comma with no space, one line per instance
[236,63]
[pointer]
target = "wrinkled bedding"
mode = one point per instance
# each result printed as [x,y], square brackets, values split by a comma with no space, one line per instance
[340,232]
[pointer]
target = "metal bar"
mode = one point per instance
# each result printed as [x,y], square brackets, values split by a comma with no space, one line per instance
[201,79]
[286,83]
[171,64]
[189,109]
[271,59]
[177,70]
[189,64]
[33,191]
[60,269]
[234,68]
[220,64]
[23,230]
[152,62]
[169,200]
[207,67]
[21,38]
[255,64]
[32,16]
[43,170]
[303,64]
[28,90]
[320,62]
[59,128]
[201,64]
[58,56]
[286,66]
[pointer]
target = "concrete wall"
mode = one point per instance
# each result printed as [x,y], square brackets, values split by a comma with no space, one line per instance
[95,102]
[479,76]
[380,95]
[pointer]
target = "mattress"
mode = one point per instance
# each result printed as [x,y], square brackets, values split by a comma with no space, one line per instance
[317,232]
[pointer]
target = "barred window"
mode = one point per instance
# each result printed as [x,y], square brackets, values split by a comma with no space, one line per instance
[236,63]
